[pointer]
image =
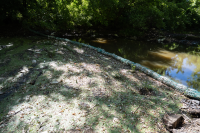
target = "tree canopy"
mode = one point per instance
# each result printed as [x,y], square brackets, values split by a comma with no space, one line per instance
[126,16]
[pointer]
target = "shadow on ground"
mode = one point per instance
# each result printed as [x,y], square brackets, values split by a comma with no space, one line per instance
[59,87]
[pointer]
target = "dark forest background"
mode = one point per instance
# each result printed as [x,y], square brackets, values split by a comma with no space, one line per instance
[127,17]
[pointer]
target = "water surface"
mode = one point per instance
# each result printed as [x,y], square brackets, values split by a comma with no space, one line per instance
[181,63]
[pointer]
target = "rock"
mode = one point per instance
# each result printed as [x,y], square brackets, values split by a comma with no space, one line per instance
[191,106]
[34,61]
[193,102]
[173,121]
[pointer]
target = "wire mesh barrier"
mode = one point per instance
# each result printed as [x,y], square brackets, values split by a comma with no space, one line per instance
[190,92]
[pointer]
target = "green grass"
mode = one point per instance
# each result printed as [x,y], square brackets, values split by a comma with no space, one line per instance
[91,92]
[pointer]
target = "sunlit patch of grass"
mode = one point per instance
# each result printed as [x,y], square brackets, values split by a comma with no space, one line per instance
[84,95]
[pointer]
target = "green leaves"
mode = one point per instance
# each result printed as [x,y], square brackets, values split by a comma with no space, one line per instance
[122,15]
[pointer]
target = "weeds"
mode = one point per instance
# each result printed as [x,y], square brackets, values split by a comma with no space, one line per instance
[84,95]
[133,68]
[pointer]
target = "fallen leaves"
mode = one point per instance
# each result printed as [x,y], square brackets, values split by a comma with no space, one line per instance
[88,92]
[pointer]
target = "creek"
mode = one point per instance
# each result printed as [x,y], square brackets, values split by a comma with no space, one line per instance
[178,62]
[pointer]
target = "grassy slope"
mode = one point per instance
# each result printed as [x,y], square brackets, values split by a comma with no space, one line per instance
[76,89]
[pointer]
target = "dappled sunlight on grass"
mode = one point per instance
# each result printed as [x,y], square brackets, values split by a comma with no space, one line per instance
[74,92]
[79,50]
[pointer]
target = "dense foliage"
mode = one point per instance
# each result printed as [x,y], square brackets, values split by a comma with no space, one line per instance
[122,15]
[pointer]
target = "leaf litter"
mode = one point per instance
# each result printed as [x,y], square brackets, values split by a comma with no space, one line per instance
[81,90]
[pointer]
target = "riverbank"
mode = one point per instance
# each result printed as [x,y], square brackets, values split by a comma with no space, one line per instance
[49,85]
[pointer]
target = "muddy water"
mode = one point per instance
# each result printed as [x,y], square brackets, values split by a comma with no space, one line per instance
[181,63]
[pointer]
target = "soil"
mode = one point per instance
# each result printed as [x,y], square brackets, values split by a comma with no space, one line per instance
[75,89]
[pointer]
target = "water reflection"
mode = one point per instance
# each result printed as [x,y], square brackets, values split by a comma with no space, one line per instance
[159,58]
[169,60]
[100,40]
